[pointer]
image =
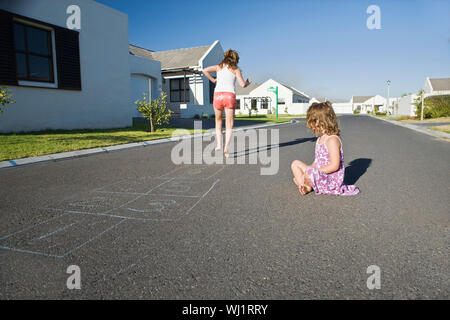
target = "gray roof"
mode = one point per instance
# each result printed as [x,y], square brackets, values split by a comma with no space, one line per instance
[294,90]
[320,99]
[360,99]
[244,91]
[440,84]
[172,59]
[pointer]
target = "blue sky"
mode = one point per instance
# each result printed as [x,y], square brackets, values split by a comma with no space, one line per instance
[321,47]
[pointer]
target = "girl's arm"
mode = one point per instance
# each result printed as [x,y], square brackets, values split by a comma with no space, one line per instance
[241,80]
[333,146]
[207,72]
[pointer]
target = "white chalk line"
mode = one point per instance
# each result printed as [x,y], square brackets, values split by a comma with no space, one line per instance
[190,209]
[121,217]
[94,238]
[53,232]
[31,227]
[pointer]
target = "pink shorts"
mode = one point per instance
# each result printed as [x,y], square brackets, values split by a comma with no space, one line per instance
[224,100]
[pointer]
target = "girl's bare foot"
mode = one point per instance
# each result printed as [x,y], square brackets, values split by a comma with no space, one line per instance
[305,189]
[218,148]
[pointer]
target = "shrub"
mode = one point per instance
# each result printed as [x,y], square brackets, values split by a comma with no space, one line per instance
[155,111]
[213,116]
[356,111]
[197,116]
[5,98]
[204,116]
[434,106]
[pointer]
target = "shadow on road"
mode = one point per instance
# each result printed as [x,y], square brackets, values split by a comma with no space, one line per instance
[268,147]
[356,169]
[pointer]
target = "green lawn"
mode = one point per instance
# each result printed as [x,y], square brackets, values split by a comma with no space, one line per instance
[267,118]
[444,128]
[23,145]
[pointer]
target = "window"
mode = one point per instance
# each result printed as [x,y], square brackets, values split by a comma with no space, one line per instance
[253,104]
[238,103]
[177,90]
[33,50]
[264,104]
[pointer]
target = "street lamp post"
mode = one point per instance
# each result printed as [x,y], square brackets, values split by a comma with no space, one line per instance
[421,111]
[275,90]
[387,103]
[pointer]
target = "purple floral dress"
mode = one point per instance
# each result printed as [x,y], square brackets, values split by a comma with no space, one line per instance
[332,183]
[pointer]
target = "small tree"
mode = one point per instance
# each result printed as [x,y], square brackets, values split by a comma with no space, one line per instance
[155,111]
[5,98]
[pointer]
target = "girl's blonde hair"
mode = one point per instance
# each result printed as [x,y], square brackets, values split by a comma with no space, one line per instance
[230,58]
[321,117]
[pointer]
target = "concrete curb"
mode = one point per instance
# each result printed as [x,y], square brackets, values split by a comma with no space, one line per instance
[434,133]
[120,147]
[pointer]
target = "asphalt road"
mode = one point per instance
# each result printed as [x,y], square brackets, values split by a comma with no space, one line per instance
[139,226]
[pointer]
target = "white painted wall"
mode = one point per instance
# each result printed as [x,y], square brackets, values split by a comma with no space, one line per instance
[145,78]
[188,111]
[342,107]
[406,107]
[284,94]
[104,101]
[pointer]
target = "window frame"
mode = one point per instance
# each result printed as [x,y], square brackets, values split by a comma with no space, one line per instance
[180,90]
[30,80]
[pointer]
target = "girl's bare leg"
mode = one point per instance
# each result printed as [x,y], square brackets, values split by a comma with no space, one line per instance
[298,170]
[229,122]
[218,117]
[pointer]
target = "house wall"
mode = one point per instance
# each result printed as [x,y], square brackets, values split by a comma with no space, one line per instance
[145,78]
[405,106]
[104,101]
[342,107]
[212,57]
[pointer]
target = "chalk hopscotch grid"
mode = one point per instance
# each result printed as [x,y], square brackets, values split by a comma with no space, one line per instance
[107,213]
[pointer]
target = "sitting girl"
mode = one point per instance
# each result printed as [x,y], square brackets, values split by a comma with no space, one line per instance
[326,173]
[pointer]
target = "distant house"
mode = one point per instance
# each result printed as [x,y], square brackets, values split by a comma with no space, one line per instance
[260,98]
[405,106]
[189,92]
[69,79]
[365,104]
[317,100]
[436,86]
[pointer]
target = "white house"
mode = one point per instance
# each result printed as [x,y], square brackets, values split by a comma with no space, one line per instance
[436,86]
[261,98]
[189,92]
[368,103]
[317,100]
[342,107]
[406,106]
[63,78]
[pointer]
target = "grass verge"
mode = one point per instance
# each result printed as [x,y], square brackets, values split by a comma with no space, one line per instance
[444,128]
[267,118]
[32,144]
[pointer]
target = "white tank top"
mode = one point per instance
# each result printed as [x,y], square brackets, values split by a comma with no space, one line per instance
[226,80]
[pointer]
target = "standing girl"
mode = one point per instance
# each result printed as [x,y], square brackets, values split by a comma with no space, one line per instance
[326,173]
[224,95]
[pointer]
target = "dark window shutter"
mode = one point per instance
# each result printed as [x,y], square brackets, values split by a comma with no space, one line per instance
[68,59]
[7,54]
